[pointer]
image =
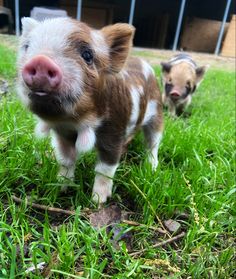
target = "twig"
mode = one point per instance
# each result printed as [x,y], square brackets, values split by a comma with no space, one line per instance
[44,207]
[159,244]
[136,224]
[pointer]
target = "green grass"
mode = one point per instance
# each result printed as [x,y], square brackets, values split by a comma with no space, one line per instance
[195,176]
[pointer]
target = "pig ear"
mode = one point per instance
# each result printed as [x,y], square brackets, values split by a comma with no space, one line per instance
[119,38]
[165,67]
[200,71]
[28,24]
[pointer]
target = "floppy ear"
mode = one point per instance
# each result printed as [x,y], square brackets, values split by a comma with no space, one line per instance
[165,67]
[119,38]
[200,71]
[28,24]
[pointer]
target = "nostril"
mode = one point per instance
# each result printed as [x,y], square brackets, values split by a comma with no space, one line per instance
[51,74]
[32,71]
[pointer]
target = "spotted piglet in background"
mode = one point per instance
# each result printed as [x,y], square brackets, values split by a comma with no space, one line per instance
[85,90]
[181,76]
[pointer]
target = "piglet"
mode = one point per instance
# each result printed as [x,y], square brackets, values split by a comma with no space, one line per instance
[181,76]
[84,89]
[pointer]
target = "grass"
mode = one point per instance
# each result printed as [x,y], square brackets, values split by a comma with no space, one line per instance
[195,177]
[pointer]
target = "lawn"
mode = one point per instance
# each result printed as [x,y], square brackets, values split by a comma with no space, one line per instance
[194,185]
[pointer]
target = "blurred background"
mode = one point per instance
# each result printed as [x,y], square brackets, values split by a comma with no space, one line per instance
[190,25]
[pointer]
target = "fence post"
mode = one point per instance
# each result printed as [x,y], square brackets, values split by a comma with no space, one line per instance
[180,19]
[221,33]
[17,18]
[79,9]
[131,14]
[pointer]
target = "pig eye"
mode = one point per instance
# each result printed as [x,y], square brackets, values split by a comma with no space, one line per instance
[87,56]
[25,46]
[188,85]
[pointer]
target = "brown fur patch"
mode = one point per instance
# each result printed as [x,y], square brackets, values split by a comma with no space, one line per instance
[119,39]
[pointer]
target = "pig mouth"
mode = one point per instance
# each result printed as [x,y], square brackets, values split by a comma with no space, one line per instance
[41,95]
[46,104]
[175,95]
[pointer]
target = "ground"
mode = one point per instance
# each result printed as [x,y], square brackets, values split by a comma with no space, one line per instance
[178,222]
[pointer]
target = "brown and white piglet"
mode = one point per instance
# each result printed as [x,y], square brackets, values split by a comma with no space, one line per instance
[181,76]
[87,92]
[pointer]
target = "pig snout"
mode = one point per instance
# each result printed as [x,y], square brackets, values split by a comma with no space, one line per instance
[41,73]
[175,94]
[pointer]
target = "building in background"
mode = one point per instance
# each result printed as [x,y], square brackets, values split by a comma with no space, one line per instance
[156,21]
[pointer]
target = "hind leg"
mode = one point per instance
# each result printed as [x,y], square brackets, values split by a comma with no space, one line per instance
[153,135]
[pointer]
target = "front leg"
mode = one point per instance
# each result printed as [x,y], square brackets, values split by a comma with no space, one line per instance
[42,129]
[109,145]
[65,153]
[102,188]
[172,109]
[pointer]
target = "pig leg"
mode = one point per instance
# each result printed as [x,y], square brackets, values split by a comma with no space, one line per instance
[172,109]
[102,187]
[180,110]
[65,153]
[41,129]
[153,136]
[168,103]
[109,151]
[164,99]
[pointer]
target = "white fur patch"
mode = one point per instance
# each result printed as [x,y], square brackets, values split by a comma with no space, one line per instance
[51,34]
[28,24]
[41,129]
[62,160]
[135,93]
[153,156]
[102,188]
[147,69]
[85,140]
[99,44]
[151,111]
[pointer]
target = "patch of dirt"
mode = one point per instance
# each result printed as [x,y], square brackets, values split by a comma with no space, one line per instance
[155,56]
[9,41]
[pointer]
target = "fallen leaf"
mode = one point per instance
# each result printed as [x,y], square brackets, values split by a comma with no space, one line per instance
[111,217]
[105,216]
[172,225]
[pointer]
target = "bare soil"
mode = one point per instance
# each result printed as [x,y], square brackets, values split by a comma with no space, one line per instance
[155,56]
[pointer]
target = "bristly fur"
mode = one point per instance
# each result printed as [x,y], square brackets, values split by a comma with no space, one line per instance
[101,103]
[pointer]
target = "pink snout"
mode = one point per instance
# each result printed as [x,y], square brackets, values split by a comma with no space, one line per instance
[41,73]
[175,93]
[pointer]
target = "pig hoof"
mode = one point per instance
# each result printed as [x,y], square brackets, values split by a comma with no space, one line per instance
[101,194]
[64,189]
[153,162]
